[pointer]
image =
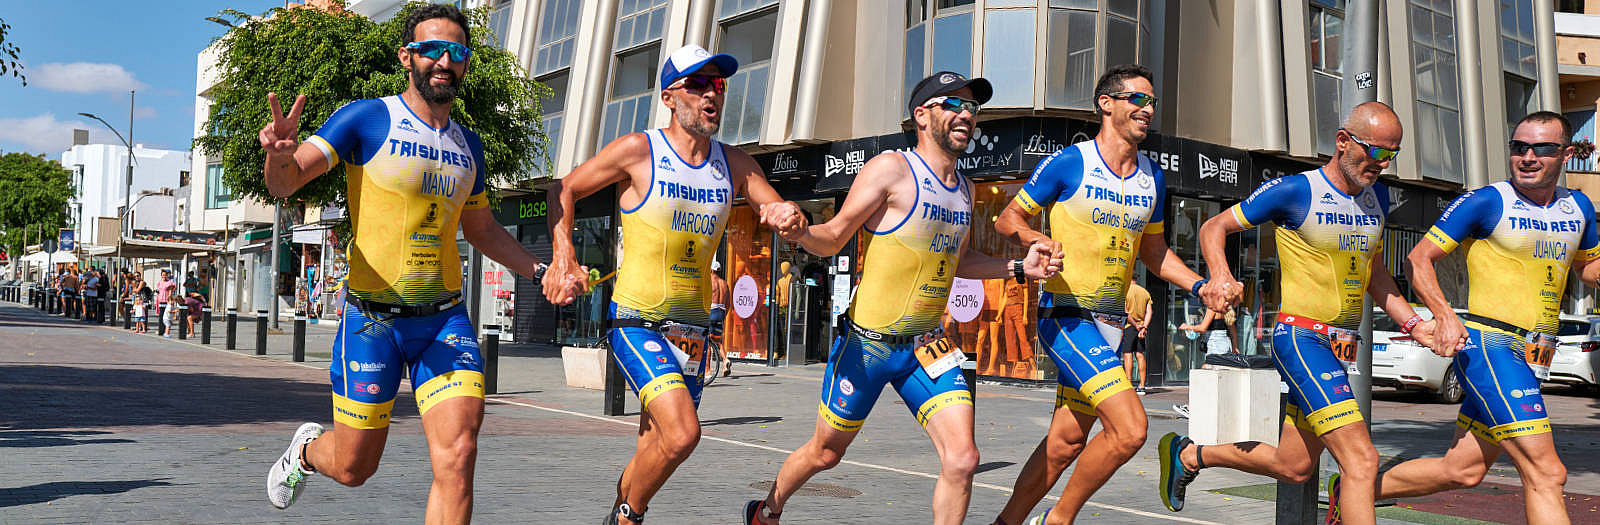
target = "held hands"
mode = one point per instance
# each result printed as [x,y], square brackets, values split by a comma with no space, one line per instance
[564,281]
[1043,261]
[1445,337]
[1221,293]
[278,138]
[784,217]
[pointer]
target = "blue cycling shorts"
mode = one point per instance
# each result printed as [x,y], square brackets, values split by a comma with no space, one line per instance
[439,351]
[1502,399]
[858,368]
[653,365]
[1320,399]
[1089,371]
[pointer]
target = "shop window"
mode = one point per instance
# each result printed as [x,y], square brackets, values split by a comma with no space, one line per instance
[748,36]
[749,268]
[1004,333]
[583,322]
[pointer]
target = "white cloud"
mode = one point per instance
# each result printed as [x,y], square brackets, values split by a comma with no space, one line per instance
[84,77]
[144,112]
[45,134]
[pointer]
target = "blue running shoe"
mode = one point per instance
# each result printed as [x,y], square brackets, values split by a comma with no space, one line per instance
[1174,477]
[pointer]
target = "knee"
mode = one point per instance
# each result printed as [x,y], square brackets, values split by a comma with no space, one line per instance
[1545,475]
[1061,451]
[960,461]
[353,475]
[456,458]
[1297,474]
[678,445]
[1127,441]
[1466,476]
[826,457]
[1363,466]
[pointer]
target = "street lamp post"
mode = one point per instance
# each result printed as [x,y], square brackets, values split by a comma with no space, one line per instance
[127,186]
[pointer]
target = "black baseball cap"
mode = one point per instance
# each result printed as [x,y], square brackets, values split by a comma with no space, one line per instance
[945,82]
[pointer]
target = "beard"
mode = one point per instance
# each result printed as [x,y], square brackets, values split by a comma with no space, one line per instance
[440,94]
[695,123]
[941,136]
[1350,169]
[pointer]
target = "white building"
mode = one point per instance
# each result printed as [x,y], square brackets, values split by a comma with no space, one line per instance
[97,174]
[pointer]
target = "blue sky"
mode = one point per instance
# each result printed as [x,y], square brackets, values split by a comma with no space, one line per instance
[84,56]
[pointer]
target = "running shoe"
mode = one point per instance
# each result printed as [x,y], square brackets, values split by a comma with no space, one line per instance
[1175,478]
[1182,410]
[752,509]
[1037,520]
[1333,500]
[286,478]
[1140,390]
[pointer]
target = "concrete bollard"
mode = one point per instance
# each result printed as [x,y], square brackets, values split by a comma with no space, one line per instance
[232,330]
[205,325]
[182,320]
[969,371]
[491,358]
[261,332]
[299,337]
[127,319]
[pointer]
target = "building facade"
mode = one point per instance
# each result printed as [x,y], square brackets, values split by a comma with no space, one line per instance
[99,178]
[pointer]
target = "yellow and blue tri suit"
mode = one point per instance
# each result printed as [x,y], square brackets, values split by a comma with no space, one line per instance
[407,184]
[906,275]
[1518,256]
[668,242]
[1327,241]
[1100,217]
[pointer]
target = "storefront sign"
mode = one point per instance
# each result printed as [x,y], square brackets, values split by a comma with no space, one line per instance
[522,209]
[745,297]
[180,237]
[966,299]
[1416,208]
[995,148]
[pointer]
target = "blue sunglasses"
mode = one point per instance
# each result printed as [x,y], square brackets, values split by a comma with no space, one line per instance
[433,49]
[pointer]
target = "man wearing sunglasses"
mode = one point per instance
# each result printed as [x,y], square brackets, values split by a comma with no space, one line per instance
[1104,205]
[917,210]
[1330,235]
[413,176]
[675,187]
[1521,237]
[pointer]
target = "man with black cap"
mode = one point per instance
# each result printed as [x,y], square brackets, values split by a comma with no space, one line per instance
[917,211]
[675,187]
[1104,204]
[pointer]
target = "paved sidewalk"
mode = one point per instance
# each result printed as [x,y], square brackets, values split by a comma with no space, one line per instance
[108,426]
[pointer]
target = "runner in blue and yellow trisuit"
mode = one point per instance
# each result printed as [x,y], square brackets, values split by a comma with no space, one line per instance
[1521,237]
[1330,234]
[413,176]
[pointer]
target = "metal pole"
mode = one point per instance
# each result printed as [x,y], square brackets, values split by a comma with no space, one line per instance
[299,336]
[232,337]
[127,320]
[491,358]
[277,235]
[616,387]
[205,325]
[182,320]
[261,332]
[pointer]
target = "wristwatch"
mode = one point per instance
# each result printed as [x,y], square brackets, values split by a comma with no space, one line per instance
[1196,288]
[538,271]
[1016,271]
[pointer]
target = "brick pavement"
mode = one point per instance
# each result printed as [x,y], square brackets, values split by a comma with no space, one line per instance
[109,426]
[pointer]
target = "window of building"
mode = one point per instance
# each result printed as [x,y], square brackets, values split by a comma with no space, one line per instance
[1433,54]
[1008,54]
[747,30]
[552,62]
[552,110]
[942,43]
[633,77]
[1072,63]
[1327,68]
[183,178]
[500,23]
[1518,58]
[217,193]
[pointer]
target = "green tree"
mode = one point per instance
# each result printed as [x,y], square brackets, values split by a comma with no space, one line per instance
[10,55]
[337,57]
[33,199]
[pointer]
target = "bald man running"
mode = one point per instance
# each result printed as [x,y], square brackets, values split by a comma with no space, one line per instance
[1330,235]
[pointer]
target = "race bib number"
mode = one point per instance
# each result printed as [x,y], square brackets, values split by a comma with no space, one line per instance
[939,356]
[1343,343]
[690,341]
[1538,350]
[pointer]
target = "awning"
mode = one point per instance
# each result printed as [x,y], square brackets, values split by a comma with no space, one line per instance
[149,249]
[42,258]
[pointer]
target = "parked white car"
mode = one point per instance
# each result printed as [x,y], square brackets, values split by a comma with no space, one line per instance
[1398,361]
[1576,362]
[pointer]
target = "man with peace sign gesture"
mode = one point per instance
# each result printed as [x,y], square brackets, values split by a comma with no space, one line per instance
[412,177]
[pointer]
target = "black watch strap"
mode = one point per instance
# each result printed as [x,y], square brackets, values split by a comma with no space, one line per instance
[1016,271]
[538,271]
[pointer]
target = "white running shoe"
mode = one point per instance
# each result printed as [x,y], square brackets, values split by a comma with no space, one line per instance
[286,478]
[1182,410]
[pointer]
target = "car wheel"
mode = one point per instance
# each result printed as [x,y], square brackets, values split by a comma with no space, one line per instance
[1450,391]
